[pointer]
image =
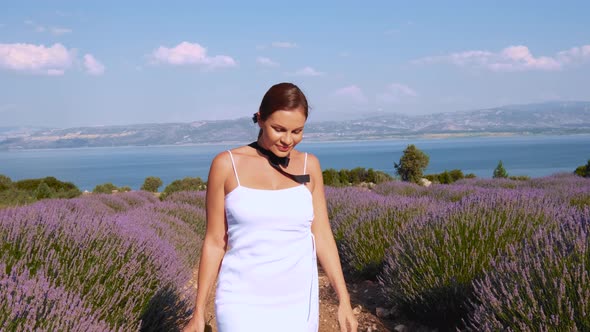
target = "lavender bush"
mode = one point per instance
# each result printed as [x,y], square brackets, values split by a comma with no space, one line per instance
[123,254]
[32,303]
[365,223]
[541,286]
[433,261]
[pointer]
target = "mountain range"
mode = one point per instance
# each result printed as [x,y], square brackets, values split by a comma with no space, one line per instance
[553,118]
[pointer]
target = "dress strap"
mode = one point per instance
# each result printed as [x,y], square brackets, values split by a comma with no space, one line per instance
[305,163]
[234,167]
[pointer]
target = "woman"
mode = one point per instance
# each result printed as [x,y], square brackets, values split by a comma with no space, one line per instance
[265,227]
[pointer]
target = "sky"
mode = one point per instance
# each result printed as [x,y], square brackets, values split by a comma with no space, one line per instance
[93,63]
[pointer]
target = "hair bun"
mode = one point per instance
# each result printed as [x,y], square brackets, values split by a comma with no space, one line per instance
[255,118]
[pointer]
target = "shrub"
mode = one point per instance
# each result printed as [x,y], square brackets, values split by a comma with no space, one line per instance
[519,177]
[151,183]
[364,224]
[186,184]
[446,177]
[43,191]
[105,188]
[30,190]
[60,311]
[584,170]
[542,286]
[123,264]
[5,182]
[354,176]
[52,182]
[434,259]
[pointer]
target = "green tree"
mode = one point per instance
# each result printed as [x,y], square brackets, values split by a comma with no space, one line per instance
[445,178]
[125,189]
[412,164]
[186,184]
[331,177]
[5,182]
[456,174]
[43,191]
[500,171]
[344,177]
[152,183]
[105,188]
[583,170]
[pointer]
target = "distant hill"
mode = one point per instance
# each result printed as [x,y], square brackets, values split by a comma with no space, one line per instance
[542,118]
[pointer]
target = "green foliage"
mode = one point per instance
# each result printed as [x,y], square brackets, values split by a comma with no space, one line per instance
[500,171]
[412,164]
[470,176]
[52,182]
[105,188]
[152,183]
[446,177]
[5,182]
[125,189]
[186,184]
[584,170]
[355,176]
[43,191]
[331,177]
[519,177]
[30,190]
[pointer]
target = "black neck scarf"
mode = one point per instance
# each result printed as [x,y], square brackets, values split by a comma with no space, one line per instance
[276,162]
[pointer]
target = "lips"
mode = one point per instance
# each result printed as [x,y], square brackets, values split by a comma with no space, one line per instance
[283,148]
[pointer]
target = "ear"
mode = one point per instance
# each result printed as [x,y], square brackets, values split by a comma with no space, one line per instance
[258,119]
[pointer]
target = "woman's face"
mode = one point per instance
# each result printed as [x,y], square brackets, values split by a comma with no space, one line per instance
[282,130]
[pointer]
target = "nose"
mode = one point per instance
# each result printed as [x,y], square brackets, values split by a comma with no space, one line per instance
[286,139]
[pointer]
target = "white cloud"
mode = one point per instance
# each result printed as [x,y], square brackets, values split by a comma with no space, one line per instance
[284,45]
[308,71]
[512,58]
[266,62]
[395,93]
[59,31]
[36,59]
[56,31]
[187,53]
[574,54]
[93,66]
[351,92]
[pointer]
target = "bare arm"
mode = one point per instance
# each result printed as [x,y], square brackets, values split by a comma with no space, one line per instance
[326,248]
[215,242]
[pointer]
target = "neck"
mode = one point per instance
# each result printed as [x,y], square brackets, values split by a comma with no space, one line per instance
[272,158]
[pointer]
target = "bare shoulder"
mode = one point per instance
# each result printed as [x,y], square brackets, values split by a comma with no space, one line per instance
[220,167]
[313,163]
[243,151]
[221,160]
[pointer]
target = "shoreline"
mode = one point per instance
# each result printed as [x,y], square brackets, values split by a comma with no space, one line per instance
[316,140]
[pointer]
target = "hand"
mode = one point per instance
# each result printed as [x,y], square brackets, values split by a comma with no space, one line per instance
[346,318]
[196,324]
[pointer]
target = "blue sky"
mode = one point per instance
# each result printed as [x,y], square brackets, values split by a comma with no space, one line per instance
[81,63]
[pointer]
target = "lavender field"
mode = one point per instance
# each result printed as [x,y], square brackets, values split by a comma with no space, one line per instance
[479,255]
[100,262]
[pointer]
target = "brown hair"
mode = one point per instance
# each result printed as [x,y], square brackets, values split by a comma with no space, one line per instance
[282,96]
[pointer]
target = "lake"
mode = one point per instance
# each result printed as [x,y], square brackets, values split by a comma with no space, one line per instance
[534,156]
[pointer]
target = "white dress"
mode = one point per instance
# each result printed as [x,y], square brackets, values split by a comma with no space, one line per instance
[268,279]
